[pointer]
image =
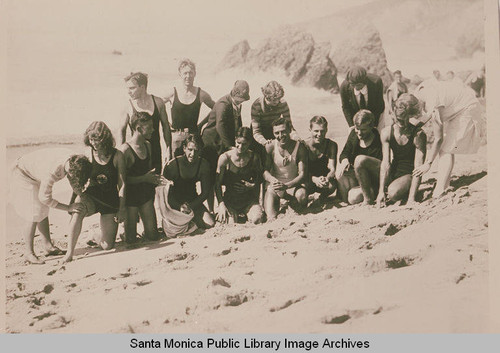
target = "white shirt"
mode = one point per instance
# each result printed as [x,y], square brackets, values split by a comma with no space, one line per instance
[364,92]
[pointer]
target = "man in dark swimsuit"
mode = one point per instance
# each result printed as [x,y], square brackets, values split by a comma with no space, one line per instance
[185,102]
[141,179]
[408,146]
[141,101]
[322,159]
[359,169]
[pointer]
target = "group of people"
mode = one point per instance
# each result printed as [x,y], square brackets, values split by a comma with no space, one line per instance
[251,171]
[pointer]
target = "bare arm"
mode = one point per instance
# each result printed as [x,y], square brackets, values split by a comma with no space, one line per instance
[420,142]
[436,144]
[385,165]
[332,160]
[119,163]
[205,98]
[221,169]
[167,135]
[125,117]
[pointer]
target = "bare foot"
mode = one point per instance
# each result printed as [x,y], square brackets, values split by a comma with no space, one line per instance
[66,259]
[54,251]
[33,260]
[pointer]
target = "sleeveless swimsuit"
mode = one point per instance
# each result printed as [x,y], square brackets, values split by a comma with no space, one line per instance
[285,168]
[403,161]
[138,194]
[251,172]
[319,166]
[185,116]
[184,189]
[155,137]
[103,186]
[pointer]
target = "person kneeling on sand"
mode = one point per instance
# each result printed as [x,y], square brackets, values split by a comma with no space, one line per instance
[322,159]
[240,169]
[285,170]
[408,145]
[185,171]
[359,168]
[105,192]
[141,179]
[33,177]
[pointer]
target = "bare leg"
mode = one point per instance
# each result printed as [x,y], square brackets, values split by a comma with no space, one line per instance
[367,171]
[255,214]
[355,195]
[29,235]
[108,231]
[43,228]
[75,228]
[131,224]
[445,167]
[301,199]
[399,188]
[346,183]
[271,204]
[148,216]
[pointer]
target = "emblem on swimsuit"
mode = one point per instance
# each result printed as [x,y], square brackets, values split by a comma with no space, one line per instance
[102,179]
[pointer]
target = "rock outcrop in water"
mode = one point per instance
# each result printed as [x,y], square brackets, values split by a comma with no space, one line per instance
[292,51]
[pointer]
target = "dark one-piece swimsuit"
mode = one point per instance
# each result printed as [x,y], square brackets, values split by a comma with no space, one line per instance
[403,161]
[138,194]
[103,186]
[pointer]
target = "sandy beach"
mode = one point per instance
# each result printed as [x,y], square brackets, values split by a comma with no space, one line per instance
[335,269]
[350,269]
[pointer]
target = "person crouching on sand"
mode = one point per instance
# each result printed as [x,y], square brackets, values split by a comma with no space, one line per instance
[141,179]
[408,146]
[285,170]
[359,168]
[240,169]
[322,158]
[185,171]
[105,193]
[33,177]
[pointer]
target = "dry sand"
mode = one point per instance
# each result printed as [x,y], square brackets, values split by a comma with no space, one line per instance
[351,269]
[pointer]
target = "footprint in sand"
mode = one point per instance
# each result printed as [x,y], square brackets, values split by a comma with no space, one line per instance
[221,282]
[287,304]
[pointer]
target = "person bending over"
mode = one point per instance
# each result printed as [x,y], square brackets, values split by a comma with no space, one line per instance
[32,179]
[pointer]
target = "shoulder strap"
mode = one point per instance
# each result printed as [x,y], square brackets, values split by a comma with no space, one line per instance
[178,167]
[198,170]
[295,150]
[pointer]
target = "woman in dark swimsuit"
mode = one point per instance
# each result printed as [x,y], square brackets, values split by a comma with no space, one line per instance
[408,146]
[185,171]
[105,193]
[240,169]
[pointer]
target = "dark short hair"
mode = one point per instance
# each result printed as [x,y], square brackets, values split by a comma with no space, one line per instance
[356,74]
[138,77]
[364,116]
[139,118]
[194,139]
[79,169]
[100,131]
[282,121]
[245,132]
[407,106]
[397,72]
[319,120]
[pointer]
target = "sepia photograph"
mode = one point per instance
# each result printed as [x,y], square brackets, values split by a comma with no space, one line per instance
[246,166]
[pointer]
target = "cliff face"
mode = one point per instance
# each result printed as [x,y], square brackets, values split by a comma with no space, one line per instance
[290,50]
